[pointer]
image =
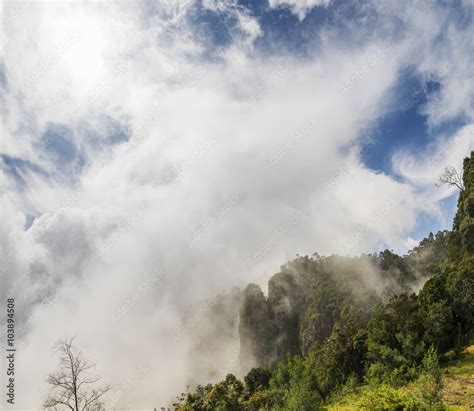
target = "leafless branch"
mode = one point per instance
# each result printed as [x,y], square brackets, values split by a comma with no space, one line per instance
[72,387]
[451,177]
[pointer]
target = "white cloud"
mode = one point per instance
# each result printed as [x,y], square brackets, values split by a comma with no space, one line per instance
[422,170]
[439,50]
[263,152]
[299,7]
[411,243]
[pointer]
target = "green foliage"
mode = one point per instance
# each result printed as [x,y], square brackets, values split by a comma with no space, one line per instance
[257,379]
[341,356]
[262,399]
[395,340]
[193,401]
[460,285]
[460,272]
[428,258]
[430,379]
[388,398]
[225,395]
[295,382]
[320,308]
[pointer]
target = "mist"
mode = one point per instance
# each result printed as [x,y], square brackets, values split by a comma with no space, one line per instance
[146,170]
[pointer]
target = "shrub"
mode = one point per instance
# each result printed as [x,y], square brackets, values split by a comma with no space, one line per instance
[387,398]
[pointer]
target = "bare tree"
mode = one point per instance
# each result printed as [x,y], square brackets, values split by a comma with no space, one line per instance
[451,177]
[72,386]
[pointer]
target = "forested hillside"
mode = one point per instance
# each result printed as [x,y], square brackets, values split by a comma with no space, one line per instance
[334,325]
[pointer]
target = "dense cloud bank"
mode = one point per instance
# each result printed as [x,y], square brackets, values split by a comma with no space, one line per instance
[145,167]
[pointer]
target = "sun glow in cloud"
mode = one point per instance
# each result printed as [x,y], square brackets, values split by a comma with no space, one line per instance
[85,56]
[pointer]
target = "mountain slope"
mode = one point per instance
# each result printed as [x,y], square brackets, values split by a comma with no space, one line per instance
[374,326]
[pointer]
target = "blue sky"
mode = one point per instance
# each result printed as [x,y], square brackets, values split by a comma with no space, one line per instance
[405,125]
